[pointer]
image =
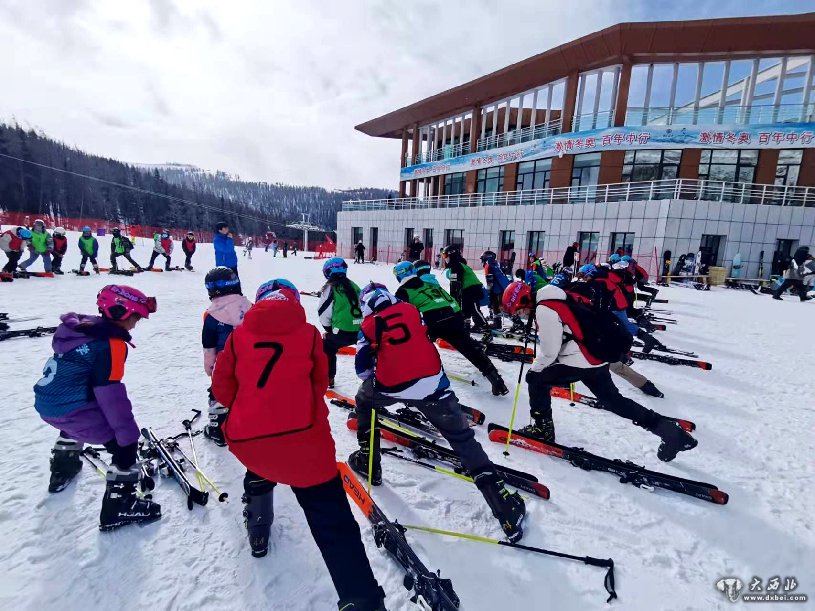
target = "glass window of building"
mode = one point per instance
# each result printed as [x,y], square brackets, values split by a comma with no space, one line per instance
[534,174]
[728,165]
[534,242]
[454,236]
[789,166]
[646,165]
[454,183]
[408,236]
[589,242]
[586,169]
[356,235]
[622,243]
[428,237]
[490,180]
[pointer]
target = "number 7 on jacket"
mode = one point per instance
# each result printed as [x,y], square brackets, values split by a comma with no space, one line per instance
[277,352]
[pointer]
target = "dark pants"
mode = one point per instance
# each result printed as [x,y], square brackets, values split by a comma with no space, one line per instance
[126,255]
[598,380]
[336,533]
[122,457]
[13,260]
[795,286]
[332,343]
[156,255]
[644,288]
[445,414]
[360,258]
[469,305]
[452,331]
[188,260]
[85,257]
[56,262]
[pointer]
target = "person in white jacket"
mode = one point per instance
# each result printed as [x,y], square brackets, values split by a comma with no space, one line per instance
[562,360]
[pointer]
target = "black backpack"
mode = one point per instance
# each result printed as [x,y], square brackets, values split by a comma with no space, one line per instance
[604,336]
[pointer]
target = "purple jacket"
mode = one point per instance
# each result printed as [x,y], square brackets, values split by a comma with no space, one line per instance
[81,392]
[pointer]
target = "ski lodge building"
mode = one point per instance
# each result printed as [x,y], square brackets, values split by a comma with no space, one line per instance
[684,136]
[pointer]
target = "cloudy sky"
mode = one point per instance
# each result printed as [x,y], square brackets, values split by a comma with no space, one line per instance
[271,89]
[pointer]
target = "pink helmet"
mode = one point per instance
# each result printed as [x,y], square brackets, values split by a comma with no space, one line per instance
[118,302]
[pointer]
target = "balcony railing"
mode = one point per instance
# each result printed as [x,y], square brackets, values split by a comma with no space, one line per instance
[707,190]
[711,115]
[598,120]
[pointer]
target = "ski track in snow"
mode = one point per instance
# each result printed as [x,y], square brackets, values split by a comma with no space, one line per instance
[753,411]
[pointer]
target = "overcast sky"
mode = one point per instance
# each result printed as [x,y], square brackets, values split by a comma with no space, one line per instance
[271,89]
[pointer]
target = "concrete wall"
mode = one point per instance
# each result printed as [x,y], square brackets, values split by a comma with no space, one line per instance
[675,225]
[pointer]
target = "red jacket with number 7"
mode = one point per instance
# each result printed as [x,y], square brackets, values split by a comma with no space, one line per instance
[272,375]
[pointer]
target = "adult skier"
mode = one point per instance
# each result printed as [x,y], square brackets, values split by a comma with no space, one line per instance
[415,249]
[339,311]
[60,243]
[572,255]
[40,245]
[275,358]
[88,248]
[399,364]
[465,287]
[188,245]
[81,394]
[226,311]
[120,246]
[442,316]
[359,251]
[12,242]
[162,245]
[224,246]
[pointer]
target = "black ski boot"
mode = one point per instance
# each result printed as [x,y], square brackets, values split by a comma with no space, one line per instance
[674,439]
[649,341]
[507,507]
[542,429]
[652,391]
[331,382]
[497,382]
[96,268]
[358,461]
[65,463]
[374,603]
[121,506]
[258,516]
[217,417]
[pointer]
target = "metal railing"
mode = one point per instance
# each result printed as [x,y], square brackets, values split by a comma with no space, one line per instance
[713,115]
[682,188]
[598,120]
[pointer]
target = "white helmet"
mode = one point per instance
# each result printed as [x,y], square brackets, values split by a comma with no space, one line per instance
[59,231]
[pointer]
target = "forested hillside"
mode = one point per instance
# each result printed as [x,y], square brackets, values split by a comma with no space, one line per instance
[250,207]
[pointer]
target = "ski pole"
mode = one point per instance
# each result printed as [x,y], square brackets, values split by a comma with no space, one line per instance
[371,449]
[607,563]
[520,378]
[188,427]
[453,376]
[571,394]
[222,496]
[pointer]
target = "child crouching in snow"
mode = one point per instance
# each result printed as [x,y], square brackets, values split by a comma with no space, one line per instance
[82,395]
[224,314]
[272,376]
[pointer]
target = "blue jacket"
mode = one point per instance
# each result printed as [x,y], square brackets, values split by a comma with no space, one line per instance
[224,251]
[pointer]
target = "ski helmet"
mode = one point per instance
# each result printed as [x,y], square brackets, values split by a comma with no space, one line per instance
[335,265]
[59,231]
[453,249]
[39,222]
[517,296]
[116,231]
[375,298]
[165,233]
[627,258]
[23,233]
[277,285]
[588,270]
[222,281]
[614,258]
[488,255]
[190,234]
[561,279]
[86,229]
[422,268]
[119,302]
[404,270]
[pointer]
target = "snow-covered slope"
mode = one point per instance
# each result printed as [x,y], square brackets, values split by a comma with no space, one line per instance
[755,423]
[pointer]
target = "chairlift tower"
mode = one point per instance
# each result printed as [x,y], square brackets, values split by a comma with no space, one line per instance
[306,226]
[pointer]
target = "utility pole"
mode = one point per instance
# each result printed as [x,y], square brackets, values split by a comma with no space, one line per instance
[306,225]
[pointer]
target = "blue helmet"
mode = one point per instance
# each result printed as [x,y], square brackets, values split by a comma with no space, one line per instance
[587,270]
[626,258]
[86,229]
[267,288]
[615,258]
[561,279]
[335,265]
[404,270]
[23,233]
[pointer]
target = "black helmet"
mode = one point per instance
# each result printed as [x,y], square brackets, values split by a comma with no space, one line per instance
[580,291]
[421,267]
[488,254]
[453,249]
[222,281]
[116,231]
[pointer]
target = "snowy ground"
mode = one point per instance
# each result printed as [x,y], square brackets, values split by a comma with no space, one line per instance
[755,423]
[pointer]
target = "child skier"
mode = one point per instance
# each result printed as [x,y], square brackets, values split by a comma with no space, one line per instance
[425,273]
[226,311]
[12,242]
[442,316]
[278,428]
[340,314]
[60,248]
[497,282]
[247,248]
[188,247]
[89,248]
[41,245]
[465,287]
[120,246]
[399,364]
[162,245]
[82,395]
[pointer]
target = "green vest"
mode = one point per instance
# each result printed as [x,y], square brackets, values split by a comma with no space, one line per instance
[86,244]
[430,297]
[118,245]
[345,315]
[39,241]
[469,278]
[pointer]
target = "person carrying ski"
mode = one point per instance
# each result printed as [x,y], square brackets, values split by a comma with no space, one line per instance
[442,316]
[12,242]
[224,245]
[497,281]
[415,249]
[575,345]
[272,376]
[81,394]
[572,255]
[465,287]
[162,245]
[339,311]
[226,310]
[88,248]
[399,364]
[40,245]
[188,245]
[359,251]
[120,246]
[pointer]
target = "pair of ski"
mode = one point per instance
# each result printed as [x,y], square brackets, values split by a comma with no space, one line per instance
[36,332]
[692,355]
[26,274]
[164,455]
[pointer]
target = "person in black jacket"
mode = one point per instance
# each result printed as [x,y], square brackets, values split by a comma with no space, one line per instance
[571,255]
[359,251]
[415,250]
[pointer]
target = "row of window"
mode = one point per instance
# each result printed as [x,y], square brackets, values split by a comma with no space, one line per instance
[726,165]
